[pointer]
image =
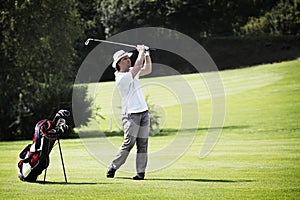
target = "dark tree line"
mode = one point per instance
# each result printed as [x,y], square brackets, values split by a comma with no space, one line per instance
[197,18]
[42,42]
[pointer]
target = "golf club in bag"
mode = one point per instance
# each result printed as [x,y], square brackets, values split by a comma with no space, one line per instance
[35,157]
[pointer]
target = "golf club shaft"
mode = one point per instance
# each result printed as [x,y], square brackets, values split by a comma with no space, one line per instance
[110,42]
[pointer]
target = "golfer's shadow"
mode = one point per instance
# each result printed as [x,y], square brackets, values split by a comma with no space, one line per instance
[194,180]
[201,180]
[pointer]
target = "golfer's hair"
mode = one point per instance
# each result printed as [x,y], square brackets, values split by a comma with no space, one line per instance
[117,66]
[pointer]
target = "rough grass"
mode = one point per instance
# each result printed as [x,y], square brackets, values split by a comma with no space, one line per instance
[257,155]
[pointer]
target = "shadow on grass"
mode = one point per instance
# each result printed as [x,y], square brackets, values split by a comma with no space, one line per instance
[162,132]
[201,180]
[69,183]
[171,131]
[194,180]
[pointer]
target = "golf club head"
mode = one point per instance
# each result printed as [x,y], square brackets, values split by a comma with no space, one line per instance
[87,42]
[64,113]
[61,114]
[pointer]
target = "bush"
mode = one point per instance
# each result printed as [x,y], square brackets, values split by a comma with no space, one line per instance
[283,19]
[154,118]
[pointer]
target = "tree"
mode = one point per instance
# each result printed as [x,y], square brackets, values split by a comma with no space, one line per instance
[282,19]
[192,17]
[37,53]
[120,15]
[91,26]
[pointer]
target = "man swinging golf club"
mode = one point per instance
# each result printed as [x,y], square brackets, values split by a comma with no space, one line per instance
[135,115]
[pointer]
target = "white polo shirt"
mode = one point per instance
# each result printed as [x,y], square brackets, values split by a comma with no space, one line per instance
[133,100]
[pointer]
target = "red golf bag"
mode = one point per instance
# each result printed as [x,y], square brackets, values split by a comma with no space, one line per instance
[35,157]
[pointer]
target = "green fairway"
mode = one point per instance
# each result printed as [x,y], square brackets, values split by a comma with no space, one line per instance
[257,155]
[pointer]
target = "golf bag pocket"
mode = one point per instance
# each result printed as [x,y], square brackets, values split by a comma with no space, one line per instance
[23,155]
[28,161]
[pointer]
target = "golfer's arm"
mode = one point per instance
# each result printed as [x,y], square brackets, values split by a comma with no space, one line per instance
[138,64]
[147,68]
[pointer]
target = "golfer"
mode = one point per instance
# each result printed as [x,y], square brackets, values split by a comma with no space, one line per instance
[135,115]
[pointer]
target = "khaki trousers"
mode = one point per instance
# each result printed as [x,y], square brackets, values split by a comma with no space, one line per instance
[136,131]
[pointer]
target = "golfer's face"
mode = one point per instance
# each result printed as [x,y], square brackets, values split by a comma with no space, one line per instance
[125,61]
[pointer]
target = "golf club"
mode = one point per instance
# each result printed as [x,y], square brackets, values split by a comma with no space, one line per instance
[111,42]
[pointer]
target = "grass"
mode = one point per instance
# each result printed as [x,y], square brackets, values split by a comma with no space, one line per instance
[257,155]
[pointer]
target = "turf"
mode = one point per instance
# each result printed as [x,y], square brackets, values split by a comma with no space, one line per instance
[257,155]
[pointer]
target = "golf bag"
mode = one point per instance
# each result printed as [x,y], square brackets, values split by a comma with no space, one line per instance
[35,157]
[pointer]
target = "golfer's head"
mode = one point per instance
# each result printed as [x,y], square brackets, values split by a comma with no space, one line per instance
[121,60]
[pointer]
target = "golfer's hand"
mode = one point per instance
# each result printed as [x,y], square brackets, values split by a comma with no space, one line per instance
[140,48]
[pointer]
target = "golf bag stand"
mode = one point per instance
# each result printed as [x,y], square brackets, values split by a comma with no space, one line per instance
[62,162]
[35,157]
